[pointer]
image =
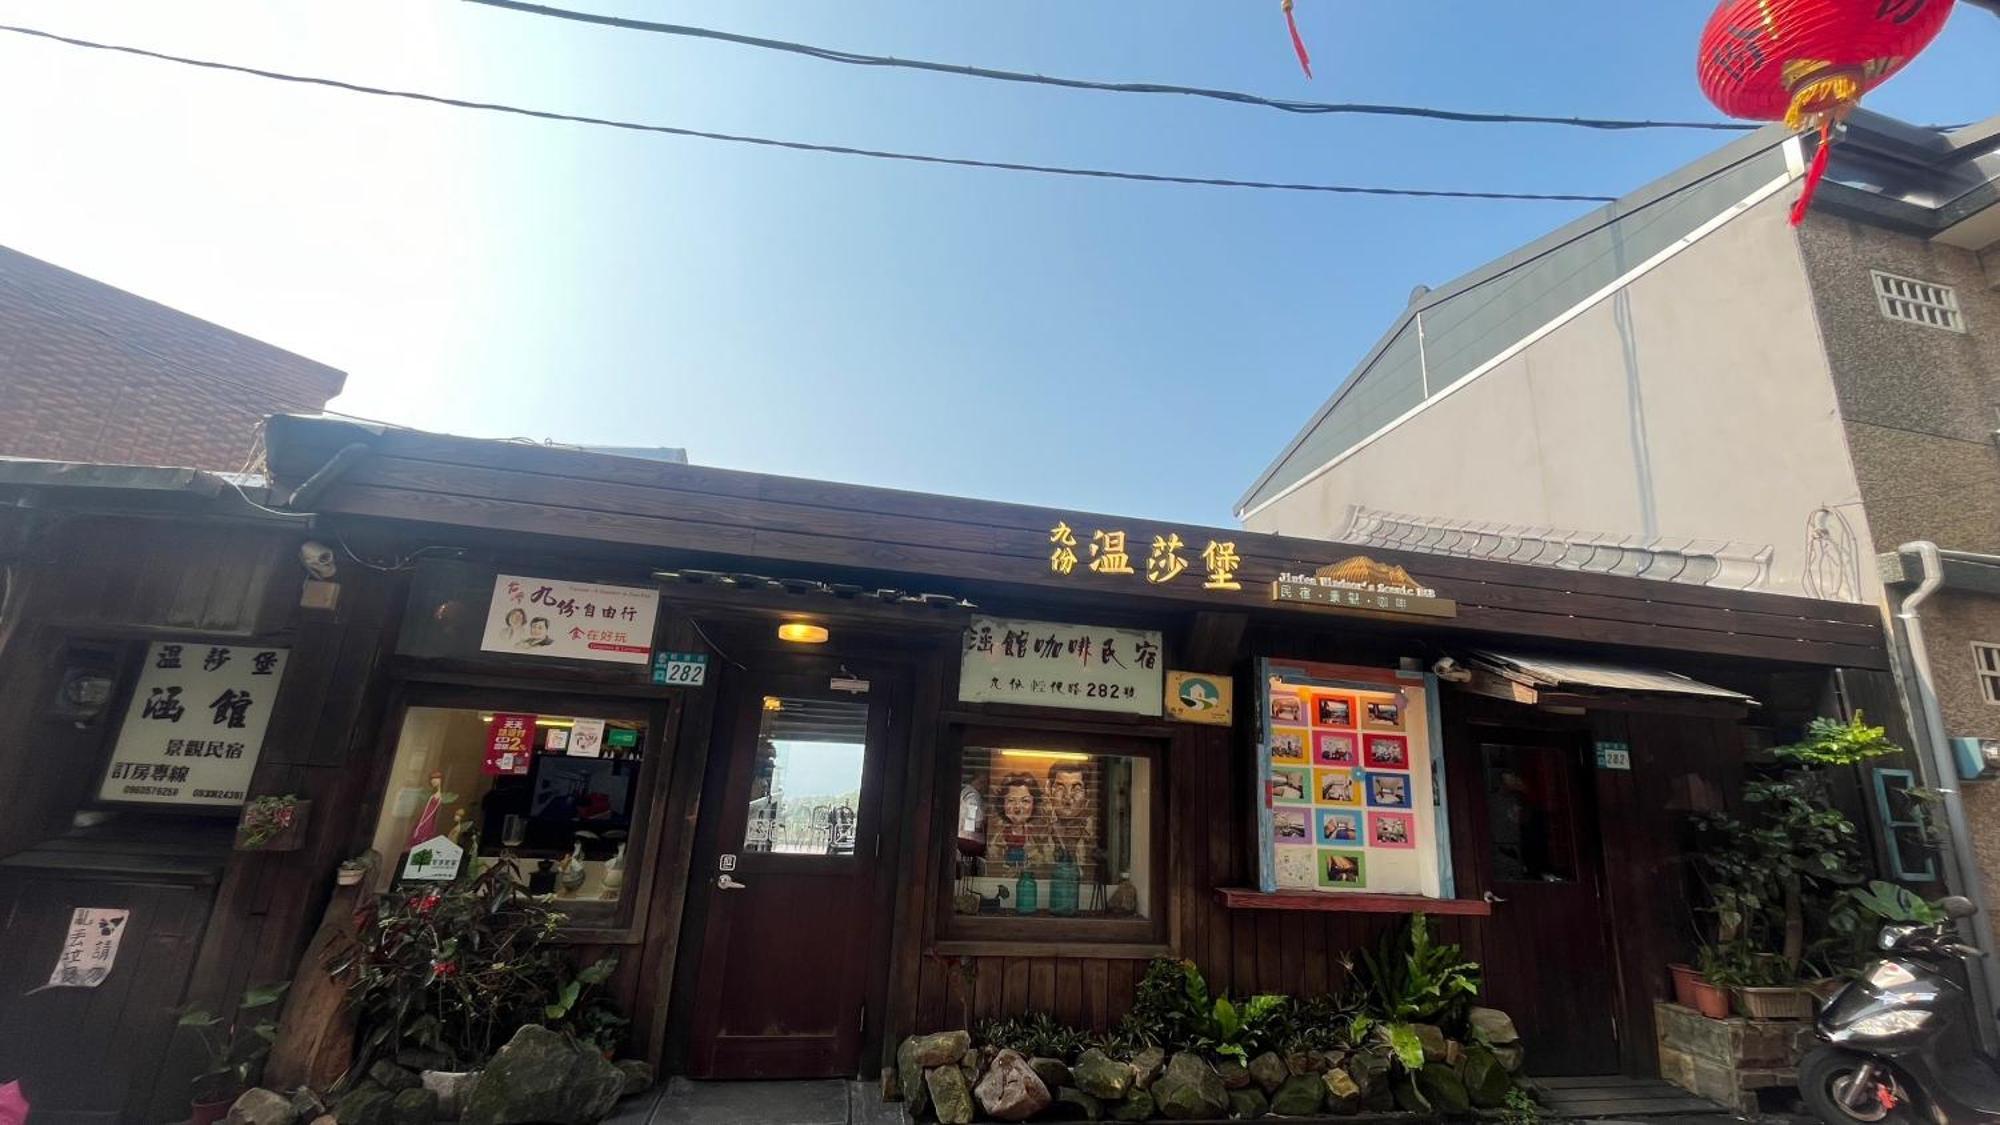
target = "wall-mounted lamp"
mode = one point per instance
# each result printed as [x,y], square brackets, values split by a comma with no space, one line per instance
[802,633]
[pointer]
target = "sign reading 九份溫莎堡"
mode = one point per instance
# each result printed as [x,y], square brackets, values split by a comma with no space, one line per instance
[195,725]
[1105,552]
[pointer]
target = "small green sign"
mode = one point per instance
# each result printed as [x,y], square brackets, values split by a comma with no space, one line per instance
[621,738]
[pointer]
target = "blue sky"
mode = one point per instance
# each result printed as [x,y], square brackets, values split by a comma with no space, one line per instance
[1118,347]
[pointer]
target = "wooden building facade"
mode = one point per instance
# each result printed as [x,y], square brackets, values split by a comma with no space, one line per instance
[805,847]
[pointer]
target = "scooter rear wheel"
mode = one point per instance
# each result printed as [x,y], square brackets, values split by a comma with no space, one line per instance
[1826,1081]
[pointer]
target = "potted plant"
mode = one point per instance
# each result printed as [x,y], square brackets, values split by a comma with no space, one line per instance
[1710,988]
[236,1051]
[1767,988]
[1684,977]
[272,823]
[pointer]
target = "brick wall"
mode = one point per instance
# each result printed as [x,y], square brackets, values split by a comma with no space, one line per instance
[92,373]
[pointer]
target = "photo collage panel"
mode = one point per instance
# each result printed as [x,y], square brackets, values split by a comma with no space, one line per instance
[1340,785]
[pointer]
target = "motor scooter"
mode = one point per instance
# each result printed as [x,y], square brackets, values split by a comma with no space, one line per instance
[1900,1043]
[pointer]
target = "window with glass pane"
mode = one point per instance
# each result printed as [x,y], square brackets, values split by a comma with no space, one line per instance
[1054,833]
[1528,814]
[556,793]
[807,784]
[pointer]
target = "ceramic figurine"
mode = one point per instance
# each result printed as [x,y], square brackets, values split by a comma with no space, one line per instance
[570,872]
[1125,900]
[614,871]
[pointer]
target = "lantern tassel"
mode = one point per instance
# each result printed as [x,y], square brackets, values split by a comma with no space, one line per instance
[1298,44]
[1814,174]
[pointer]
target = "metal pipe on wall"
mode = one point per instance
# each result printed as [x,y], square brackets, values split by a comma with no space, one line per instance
[1961,870]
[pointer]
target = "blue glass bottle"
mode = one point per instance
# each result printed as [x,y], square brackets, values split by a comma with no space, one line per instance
[1063,886]
[1027,896]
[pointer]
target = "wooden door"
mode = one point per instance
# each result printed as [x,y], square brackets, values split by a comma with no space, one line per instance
[1548,957]
[792,924]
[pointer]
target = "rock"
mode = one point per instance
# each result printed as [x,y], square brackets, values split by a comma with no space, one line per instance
[1101,1076]
[951,1098]
[1442,1088]
[1432,1037]
[1146,1067]
[1080,1104]
[1137,1106]
[1247,1102]
[542,1076]
[1011,1090]
[452,1087]
[1454,1053]
[306,1105]
[1486,1078]
[1370,1071]
[418,1060]
[1269,1071]
[414,1107]
[910,1079]
[1234,1075]
[1189,1089]
[1408,1098]
[325,1119]
[261,1107]
[972,1063]
[393,1078]
[364,1105]
[1343,1093]
[1299,1096]
[638,1076]
[1492,1027]
[1513,1056]
[1054,1073]
[1305,1062]
[937,1050]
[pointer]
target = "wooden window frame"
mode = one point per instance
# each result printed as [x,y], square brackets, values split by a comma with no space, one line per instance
[958,930]
[1986,668]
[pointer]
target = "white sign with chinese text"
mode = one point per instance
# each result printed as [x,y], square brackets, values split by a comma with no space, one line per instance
[1039,663]
[195,725]
[90,949]
[571,620]
[586,738]
[436,860]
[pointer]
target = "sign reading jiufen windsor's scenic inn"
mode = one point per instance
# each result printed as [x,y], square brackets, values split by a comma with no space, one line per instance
[1361,583]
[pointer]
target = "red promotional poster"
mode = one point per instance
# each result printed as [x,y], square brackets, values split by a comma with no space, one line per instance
[510,739]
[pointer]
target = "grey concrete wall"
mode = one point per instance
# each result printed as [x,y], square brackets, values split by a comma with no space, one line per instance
[1952,621]
[1695,403]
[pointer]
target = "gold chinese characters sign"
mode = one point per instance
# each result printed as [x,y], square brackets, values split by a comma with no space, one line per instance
[1364,585]
[1167,558]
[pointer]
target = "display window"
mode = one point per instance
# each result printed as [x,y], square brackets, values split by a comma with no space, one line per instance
[1057,837]
[557,786]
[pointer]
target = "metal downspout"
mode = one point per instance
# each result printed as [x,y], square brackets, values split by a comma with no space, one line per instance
[1961,870]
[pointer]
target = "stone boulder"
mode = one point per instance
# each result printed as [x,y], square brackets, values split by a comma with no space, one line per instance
[1268,1071]
[1011,1090]
[1076,1105]
[638,1076]
[1433,1039]
[1442,1088]
[393,1078]
[416,1106]
[1513,1056]
[1146,1067]
[306,1105]
[1492,1027]
[1305,1062]
[1343,1093]
[367,1104]
[1137,1106]
[1234,1074]
[1486,1078]
[261,1107]
[1054,1073]
[941,1048]
[951,1098]
[1101,1076]
[1300,1096]
[1189,1089]
[1247,1102]
[545,1078]
[453,1088]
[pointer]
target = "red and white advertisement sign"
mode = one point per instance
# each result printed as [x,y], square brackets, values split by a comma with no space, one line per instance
[570,620]
[510,743]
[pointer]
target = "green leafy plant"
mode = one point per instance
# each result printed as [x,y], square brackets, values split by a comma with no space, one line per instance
[458,967]
[1170,1006]
[1239,1032]
[236,1048]
[1036,1034]
[1520,1108]
[1411,979]
[1330,1022]
[1891,903]
[1830,742]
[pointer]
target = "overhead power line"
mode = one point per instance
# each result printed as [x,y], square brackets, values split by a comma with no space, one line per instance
[802,146]
[1287,105]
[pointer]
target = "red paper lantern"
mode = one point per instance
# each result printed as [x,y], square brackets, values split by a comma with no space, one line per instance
[1808,62]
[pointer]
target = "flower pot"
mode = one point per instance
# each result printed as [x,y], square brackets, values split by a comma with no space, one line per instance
[1787,1003]
[208,1113]
[1711,1000]
[1684,978]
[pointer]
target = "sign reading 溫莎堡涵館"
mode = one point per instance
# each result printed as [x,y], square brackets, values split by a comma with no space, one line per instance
[1362,584]
[195,725]
[1045,664]
[570,620]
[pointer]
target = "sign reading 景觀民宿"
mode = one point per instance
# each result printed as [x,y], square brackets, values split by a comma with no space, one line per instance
[1045,664]
[195,724]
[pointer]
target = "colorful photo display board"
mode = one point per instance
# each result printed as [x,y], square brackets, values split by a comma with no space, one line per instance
[1346,762]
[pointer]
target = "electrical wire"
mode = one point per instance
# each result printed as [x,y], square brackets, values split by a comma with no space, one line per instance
[1286,105]
[804,146]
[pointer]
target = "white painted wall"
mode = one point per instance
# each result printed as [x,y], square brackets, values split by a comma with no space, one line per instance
[1695,402]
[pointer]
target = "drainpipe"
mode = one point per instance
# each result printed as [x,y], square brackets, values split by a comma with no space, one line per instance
[1961,869]
[309,490]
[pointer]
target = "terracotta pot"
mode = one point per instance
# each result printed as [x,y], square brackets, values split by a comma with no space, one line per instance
[208,1113]
[1788,1003]
[1711,1000]
[1684,978]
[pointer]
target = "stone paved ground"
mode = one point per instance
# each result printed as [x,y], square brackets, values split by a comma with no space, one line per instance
[827,1102]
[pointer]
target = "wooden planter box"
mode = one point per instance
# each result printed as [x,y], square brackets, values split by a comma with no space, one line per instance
[1729,1060]
[1775,1003]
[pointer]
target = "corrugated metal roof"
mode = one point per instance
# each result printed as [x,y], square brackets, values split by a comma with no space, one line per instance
[1557,672]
